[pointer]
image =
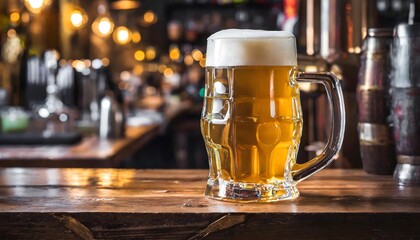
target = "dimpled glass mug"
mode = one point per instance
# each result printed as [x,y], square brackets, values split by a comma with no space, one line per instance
[252,120]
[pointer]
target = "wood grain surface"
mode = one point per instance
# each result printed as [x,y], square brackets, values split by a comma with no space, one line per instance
[170,204]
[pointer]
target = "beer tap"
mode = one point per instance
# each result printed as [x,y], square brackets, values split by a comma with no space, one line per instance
[52,113]
[331,34]
[53,103]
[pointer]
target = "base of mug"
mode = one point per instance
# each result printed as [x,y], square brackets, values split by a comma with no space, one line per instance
[231,191]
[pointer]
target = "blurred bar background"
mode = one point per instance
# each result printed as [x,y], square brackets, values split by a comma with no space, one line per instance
[146,56]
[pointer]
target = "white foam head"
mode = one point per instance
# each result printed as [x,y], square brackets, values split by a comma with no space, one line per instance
[243,47]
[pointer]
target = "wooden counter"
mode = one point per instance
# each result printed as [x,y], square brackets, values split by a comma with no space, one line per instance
[90,152]
[169,204]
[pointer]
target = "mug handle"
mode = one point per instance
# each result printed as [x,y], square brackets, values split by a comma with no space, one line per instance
[335,98]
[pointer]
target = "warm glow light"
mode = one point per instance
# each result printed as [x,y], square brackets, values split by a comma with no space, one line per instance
[150,53]
[78,18]
[78,65]
[106,179]
[149,17]
[188,60]
[202,62]
[136,37]
[103,26]
[14,17]
[87,63]
[125,4]
[174,53]
[11,33]
[125,75]
[122,35]
[139,55]
[105,62]
[25,17]
[162,68]
[307,87]
[197,55]
[311,69]
[34,6]
[168,72]
[138,69]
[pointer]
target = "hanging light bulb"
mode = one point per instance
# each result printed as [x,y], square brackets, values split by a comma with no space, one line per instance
[34,6]
[78,18]
[149,17]
[122,35]
[14,18]
[103,26]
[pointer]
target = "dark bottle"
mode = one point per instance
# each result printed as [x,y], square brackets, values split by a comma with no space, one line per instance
[405,89]
[375,135]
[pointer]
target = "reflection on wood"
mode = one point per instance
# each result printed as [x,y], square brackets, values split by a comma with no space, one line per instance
[163,204]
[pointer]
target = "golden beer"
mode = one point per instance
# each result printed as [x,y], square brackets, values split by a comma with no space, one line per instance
[254,136]
[252,120]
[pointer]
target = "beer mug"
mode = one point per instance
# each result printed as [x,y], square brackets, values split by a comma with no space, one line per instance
[252,120]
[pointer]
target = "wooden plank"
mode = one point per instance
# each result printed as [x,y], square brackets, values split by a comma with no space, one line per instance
[208,226]
[170,204]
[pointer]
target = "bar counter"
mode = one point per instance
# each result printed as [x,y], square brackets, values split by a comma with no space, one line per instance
[91,151]
[65,203]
